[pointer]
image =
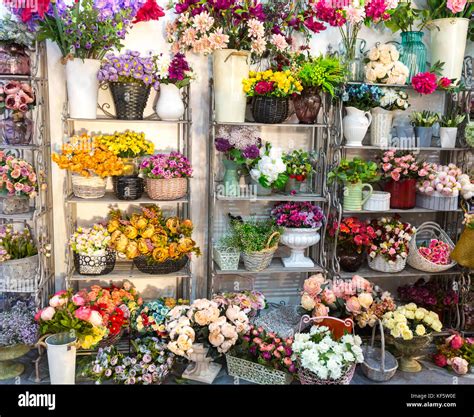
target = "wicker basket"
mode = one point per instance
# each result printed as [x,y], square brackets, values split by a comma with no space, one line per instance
[259,261]
[110,340]
[95,265]
[172,189]
[130,99]
[379,263]
[256,373]
[436,202]
[88,187]
[270,110]
[128,188]
[19,275]
[426,232]
[227,258]
[307,377]
[143,264]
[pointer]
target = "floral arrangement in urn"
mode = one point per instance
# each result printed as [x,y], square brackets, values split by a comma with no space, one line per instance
[455,353]
[17,324]
[383,65]
[295,214]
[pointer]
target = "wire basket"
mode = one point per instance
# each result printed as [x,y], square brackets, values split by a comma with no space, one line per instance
[227,258]
[424,233]
[437,202]
[379,263]
[128,188]
[110,340]
[19,275]
[261,260]
[88,187]
[284,320]
[170,189]
[95,265]
[256,373]
[270,110]
[148,266]
[130,99]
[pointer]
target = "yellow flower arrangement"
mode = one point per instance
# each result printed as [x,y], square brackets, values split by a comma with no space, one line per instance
[152,235]
[126,144]
[272,84]
[90,340]
[409,321]
[81,157]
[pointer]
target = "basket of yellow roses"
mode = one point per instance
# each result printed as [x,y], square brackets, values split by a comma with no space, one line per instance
[156,244]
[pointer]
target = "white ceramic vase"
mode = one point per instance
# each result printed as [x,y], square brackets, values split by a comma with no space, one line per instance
[447,136]
[82,87]
[298,240]
[448,44]
[355,125]
[381,127]
[377,201]
[61,349]
[230,67]
[169,105]
[202,368]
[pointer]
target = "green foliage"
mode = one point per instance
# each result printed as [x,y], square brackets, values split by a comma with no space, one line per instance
[254,235]
[424,118]
[354,171]
[452,119]
[323,72]
[18,245]
[299,162]
[404,18]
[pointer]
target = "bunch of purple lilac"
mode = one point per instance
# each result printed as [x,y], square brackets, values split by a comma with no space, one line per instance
[18,325]
[298,215]
[167,166]
[238,144]
[129,67]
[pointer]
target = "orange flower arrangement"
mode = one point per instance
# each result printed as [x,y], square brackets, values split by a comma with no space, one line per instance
[85,157]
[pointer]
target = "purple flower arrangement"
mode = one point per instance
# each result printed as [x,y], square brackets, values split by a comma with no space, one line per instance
[17,325]
[298,215]
[167,166]
[238,144]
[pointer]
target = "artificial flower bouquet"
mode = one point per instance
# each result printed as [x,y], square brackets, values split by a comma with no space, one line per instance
[17,324]
[321,359]
[16,97]
[455,353]
[299,168]
[268,170]
[18,177]
[353,235]
[313,296]
[271,83]
[424,118]
[383,65]
[426,83]
[394,99]
[436,251]
[239,144]
[362,96]
[298,215]
[16,244]
[251,302]
[442,180]
[93,241]
[174,70]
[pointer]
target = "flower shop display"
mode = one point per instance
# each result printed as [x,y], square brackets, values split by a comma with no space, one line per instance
[19,184]
[300,166]
[449,128]
[317,75]
[174,74]
[19,262]
[411,328]
[149,363]
[203,326]
[355,175]
[324,360]
[463,251]
[19,332]
[156,244]
[358,100]
[401,170]
[430,249]
[92,255]
[129,77]
[268,170]
[383,65]
[390,247]
[166,175]
[353,237]
[16,100]
[226,253]
[270,91]
[239,145]
[251,302]
[90,164]
[456,353]
[262,357]
[423,122]
[301,222]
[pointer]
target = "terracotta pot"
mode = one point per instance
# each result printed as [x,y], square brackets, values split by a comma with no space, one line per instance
[402,193]
[307,105]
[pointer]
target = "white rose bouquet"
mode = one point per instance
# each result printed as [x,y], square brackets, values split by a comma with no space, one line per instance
[394,99]
[269,169]
[383,66]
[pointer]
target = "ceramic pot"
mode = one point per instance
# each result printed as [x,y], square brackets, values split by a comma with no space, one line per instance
[307,105]
[170,105]
[354,199]
[448,136]
[298,240]
[355,125]
[231,179]
[201,368]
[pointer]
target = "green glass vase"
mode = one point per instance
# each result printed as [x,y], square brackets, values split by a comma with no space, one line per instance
[413,52]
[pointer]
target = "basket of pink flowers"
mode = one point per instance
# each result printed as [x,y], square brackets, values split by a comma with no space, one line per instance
[430,249]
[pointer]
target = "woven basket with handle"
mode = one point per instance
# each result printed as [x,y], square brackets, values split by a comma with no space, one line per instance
[258,261]
[170,189]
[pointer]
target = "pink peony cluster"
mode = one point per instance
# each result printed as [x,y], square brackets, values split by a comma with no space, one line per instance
[401,165]
[455,352]
[377,10]
[424,82]
[437,252]
[16,96]
[441,180]
[17,177]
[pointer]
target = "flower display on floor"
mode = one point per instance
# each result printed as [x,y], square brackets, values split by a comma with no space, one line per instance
[455,353]
[17,177]
[297,214]
[271,83]
[383,65]
[17,324]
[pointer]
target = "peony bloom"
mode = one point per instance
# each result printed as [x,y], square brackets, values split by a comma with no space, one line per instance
[444,82]
[459,365]
[440,360]
[456,341]
[83,313]
[353,305]
[48,313]
[424,83]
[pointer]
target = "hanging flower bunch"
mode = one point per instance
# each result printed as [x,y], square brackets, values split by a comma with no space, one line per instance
[17,177]
[166,166]
[92,241]
[238,144]
[456,353]
[399,165]
[353,234]
[128,144]
[17,97]
[298,214]
[271,83]
[383,65]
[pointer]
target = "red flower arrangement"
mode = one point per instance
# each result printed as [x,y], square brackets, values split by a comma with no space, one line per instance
[149,11]
[425,83]
[354,235]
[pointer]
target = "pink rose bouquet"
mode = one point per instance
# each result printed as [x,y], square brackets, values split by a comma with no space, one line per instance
[312,295]
[398,165]
[437,252]
[16,96]
[442,180]
[456,353]
[17,177]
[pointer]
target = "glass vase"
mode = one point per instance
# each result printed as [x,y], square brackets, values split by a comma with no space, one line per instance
[231,179]
[352,51]
[413,52]
[16,130]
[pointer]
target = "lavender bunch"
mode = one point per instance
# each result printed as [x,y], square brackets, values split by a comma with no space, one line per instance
[18,325]
[238,144]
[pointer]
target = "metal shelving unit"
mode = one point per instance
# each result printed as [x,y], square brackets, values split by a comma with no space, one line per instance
[125,269]
[38,153]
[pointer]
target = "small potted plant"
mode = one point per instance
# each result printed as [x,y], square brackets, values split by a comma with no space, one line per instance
[455,353]
[389,248]
[226,253]
[130,78]
[299,168]
[449,128]
[383,65]
[411,329]
[301,222]
[257,240]
[423,122]
[316,75]
[92,255]
[166,175]
[355,174]
[270,91]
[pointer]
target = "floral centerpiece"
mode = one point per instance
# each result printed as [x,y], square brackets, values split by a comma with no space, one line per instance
[324,360]
[383,65]
[411,328]
[154,243]
[251,302]
[389,248]
[299,168]
[456,353]
[166,175]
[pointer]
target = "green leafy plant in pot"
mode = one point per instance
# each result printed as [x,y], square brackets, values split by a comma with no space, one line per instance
[423,122]
[449,128]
